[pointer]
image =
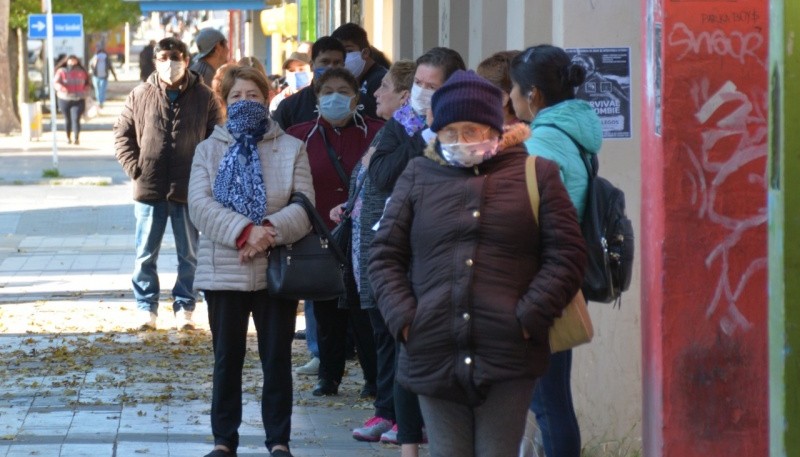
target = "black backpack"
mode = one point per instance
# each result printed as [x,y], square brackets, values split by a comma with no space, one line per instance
[608,233]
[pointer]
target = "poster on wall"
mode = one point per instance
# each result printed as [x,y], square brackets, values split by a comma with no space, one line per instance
[607,87]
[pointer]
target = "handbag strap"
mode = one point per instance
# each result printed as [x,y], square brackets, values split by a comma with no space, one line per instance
[318,224]
[533,186]
[337,164]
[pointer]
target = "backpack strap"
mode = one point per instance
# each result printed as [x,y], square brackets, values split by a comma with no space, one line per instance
[589,160]
[533,186]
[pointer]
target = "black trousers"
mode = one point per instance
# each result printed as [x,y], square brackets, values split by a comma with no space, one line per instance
[406,408]
[274,319]
[332,335]
[72,111]
[384,348]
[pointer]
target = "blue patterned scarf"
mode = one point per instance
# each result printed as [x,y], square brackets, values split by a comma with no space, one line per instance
[240,182]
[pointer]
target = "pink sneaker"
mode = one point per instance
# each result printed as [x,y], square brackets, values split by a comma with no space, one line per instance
[373,428]
[390,436]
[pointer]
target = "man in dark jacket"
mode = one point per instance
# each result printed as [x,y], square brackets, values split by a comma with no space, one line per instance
[361,64]
[326,52]
[164,119]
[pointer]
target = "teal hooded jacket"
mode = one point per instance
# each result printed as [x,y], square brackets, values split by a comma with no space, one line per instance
[578,119]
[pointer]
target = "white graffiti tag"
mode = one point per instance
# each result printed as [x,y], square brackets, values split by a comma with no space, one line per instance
[737,124]
[738,45]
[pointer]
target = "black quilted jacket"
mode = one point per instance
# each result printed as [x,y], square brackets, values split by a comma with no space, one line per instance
[459,259]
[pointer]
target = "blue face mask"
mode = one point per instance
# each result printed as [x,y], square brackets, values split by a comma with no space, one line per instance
[319,71]
[335,107]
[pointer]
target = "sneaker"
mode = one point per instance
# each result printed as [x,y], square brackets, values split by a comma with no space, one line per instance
[373,429]
[146,320]
[390,436]
[183,320]
[309,369]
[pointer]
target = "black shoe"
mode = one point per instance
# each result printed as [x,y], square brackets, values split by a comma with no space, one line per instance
[300,335]
[370,390]
[220,453]
[281,453]
[325,388]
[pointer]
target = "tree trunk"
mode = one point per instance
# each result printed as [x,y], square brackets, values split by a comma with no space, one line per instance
[8,119]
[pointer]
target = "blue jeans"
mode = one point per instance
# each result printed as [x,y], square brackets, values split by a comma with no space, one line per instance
[552,404]
[151,222]
[311,328]
[100,85]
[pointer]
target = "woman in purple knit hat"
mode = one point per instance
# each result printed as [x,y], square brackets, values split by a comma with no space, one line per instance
[468,280]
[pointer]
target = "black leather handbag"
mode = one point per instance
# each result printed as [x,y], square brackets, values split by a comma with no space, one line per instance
[311,268]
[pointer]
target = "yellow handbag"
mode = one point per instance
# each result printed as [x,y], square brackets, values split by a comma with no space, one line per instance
[574,327]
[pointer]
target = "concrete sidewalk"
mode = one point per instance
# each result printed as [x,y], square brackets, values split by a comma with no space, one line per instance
[73,381]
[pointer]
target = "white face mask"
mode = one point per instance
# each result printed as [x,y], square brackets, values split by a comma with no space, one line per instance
[469,154]
[421,99]
[171,71]
[354,63]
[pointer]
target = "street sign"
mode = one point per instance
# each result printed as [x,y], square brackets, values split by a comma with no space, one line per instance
[64,26]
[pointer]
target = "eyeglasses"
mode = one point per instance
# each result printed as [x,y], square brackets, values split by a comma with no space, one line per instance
[469,134]
[175,56]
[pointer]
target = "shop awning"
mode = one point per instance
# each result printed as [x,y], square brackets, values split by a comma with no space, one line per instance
[195,5]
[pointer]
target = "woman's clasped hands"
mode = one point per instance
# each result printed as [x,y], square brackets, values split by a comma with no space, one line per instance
[259,240]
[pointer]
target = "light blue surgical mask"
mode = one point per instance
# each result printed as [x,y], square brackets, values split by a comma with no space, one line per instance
[335,107]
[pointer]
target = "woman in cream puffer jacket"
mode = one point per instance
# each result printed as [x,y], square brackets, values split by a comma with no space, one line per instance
[286,170]
[242,179]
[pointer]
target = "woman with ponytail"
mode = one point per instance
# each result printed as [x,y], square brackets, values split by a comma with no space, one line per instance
[543,93]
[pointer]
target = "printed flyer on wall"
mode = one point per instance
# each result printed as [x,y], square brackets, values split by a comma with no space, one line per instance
[607,87]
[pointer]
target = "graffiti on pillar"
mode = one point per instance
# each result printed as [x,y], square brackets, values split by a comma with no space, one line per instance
[741,46]
[733,128]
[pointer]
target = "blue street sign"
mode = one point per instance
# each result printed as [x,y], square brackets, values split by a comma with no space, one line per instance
[64,26]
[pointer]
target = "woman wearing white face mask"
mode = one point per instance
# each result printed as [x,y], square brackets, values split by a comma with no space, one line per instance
[403,139]
[468,279]
[335,143]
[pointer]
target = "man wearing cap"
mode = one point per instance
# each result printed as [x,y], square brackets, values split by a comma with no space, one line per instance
[212,53]
[297,76]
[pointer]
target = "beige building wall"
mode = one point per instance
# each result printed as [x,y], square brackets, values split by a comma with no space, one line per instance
[606,375]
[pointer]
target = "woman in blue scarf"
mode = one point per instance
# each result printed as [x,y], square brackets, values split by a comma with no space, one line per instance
[242,178]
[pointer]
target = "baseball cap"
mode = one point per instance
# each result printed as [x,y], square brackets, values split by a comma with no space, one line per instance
[297,56]
[206,40]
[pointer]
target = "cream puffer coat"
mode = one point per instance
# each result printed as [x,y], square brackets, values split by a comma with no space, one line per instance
[285,167]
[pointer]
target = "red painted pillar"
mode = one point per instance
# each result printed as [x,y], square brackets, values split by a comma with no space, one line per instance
[704,238]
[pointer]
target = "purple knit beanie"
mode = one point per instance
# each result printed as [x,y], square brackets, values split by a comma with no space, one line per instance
[465,96]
